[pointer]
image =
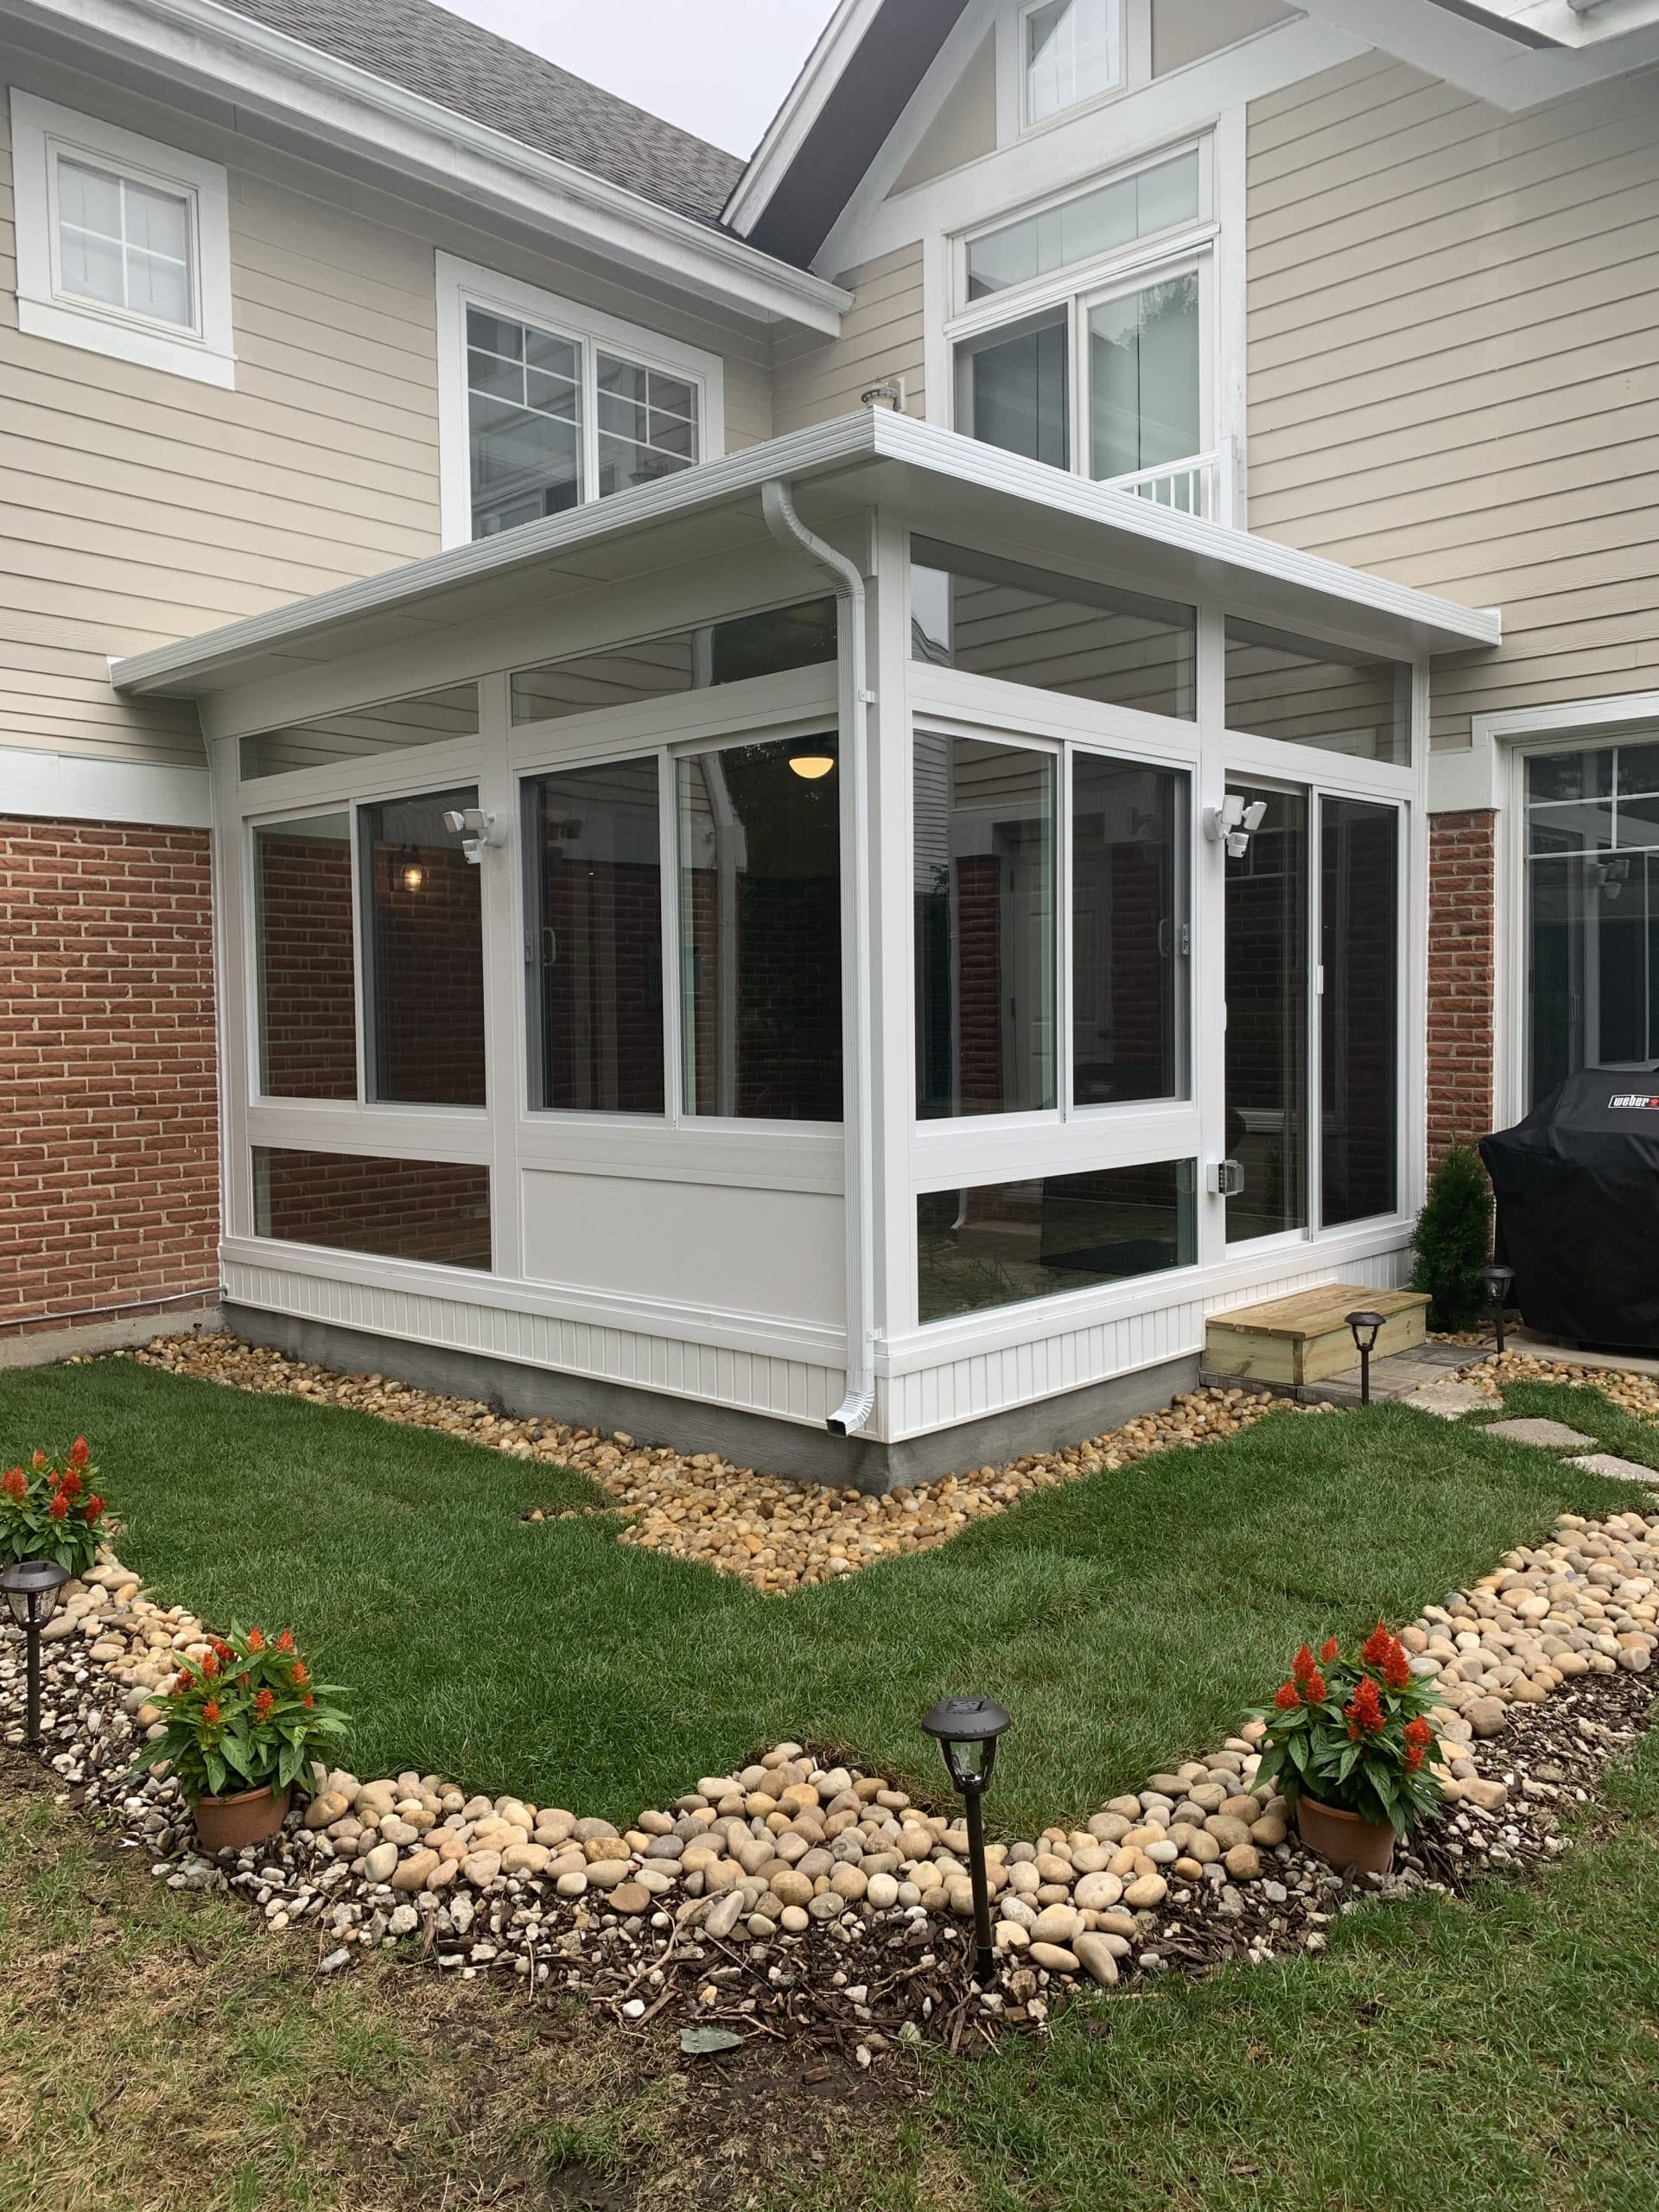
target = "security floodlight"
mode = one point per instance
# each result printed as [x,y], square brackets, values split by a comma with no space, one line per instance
[476,829]
[1234,822]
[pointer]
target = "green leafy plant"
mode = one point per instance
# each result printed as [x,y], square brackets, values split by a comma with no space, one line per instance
[245,1715]
[1355,1733]
[50,1511]
[1454,1240]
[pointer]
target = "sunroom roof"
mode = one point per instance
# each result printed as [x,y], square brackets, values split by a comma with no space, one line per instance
[869,459]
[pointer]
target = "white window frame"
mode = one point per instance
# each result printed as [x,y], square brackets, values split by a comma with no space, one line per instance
[1118,13]
[462,284]
[44,134]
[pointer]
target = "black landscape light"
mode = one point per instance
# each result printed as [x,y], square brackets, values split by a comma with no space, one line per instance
[1498,1281]
[966,1730]
[1364,1326]
[31,1588]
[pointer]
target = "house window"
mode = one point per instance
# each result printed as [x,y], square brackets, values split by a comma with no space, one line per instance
[1002,1244]
[1073,52]
[433,1210]
[759,863]
[732,651]
[1301,692]
[1592,912]
[544,404]
[123,243]
[1081,344]
[359,733]
[425,953]
[305,957]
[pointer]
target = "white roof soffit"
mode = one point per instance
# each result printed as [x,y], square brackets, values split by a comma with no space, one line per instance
[1514,52]
[872,458]
[266,73]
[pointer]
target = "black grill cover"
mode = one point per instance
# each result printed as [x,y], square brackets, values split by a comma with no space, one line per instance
[1577,1209]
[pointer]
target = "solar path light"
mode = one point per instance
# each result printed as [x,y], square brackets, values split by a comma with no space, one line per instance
[966,1730]
[1364,1326]
[31,1587]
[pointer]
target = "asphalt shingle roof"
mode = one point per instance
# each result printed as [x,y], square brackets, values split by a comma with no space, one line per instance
[427,50]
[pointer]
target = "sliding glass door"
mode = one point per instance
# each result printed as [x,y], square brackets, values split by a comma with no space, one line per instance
[1267,1018]
[1359,1010]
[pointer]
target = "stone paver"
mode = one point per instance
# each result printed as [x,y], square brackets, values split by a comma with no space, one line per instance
[1618,1470]
[1551,1435]
[1449,1401]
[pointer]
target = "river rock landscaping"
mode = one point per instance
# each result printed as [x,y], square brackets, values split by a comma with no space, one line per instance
[793,1896]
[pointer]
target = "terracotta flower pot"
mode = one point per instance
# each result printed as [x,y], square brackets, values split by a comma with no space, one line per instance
[230,1823]
[1343,1838]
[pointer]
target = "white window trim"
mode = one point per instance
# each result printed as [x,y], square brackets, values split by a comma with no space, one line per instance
[462,284]
[41,133]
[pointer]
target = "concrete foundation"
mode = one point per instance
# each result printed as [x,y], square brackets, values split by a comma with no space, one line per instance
[42,1346]
[690,1425]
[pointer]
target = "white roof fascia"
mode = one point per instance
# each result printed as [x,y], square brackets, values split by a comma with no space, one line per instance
[1419,620]
[271,74]
[802,104]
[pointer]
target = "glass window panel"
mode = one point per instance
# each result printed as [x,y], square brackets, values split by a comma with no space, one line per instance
[767,644]
[427,1210]
[1304,693]
[429,718]
[985,927]
[1004,1243]
[1569,828]
[90,268]
[1359,1011]
[1145,404]
[647,424]
[545,394]
[89,198]
[1638,768]
[424,958]
[494,333]
[1082,229]
[1569,775]
[123,242]
[157,222]
[523,422]
[158,288]
[1016,389]
[1266,1049]
[304,958]
[759,861]
[1070,55]
[992,617]
[1638,822]
[1128,924]
[596,995]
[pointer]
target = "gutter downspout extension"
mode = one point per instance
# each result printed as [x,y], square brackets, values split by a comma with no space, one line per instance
[856,699]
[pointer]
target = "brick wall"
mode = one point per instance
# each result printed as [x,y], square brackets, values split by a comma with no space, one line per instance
[109,1176]
[1462,920]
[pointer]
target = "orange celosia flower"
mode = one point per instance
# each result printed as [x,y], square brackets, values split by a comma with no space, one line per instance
[1313,1689]
[1288,1698]
[1364,1710]
[1420,1730]
[285,1641]
[262,1705]
[256,1639]
[210,1712]
[1302,1665]
[79,1454]
[94,1507]
[297,1675]
[1329,1649]
[1396,1667]
[15,1482]
[70,1484]
[210,1665]
[1376,1648]
[58,1507]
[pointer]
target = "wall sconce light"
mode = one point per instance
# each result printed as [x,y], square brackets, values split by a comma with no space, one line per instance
[31,1587]
[1365,1326]
[1234,822]
[475,830]
[810,763]
[1498,1281]
[966,1730]
[407,870]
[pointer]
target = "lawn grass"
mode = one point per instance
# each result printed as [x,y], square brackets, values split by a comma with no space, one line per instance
[1126,1620]
[1586,1408]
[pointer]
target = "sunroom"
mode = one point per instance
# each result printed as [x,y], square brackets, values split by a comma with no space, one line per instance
[840,957]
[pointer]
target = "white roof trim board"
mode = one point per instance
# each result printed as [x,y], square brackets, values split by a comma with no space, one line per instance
[885,457]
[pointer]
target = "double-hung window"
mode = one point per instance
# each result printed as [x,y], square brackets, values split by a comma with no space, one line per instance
[1085,335]
[544,404]
[123,243]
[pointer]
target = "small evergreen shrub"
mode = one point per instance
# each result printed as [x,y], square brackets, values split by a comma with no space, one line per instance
[1454,1240]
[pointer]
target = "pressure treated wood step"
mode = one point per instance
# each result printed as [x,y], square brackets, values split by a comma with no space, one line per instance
[1306,1337]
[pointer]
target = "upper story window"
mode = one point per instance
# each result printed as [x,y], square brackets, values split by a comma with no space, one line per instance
[1072,51]
[1084,337]
[123,245]
[544,404]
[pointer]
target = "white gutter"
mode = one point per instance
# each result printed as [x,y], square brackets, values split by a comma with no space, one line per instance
[856,699]
[271,74]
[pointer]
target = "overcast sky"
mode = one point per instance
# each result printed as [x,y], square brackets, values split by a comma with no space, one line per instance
[719,68]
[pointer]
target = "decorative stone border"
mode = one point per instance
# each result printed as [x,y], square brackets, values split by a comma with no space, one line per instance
[823,1897]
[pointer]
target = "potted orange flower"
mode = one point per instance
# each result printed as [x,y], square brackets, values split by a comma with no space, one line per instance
[1350,1743]
[241,1723]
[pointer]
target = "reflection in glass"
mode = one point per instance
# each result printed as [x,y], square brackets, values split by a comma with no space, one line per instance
[1593,870]
[985,927]
[759,859]
[1359,1013]
[424,955]
[991,617]
[1087,226]
[647,424]
[428,1210]
[1070,55]
[429,718]
[1267,1020]
[596,997]
[1003,1244]
[767,644]
[1129,930]
[1015,389]
[304,955]
[1304,693]
[1144,402]
[523,410]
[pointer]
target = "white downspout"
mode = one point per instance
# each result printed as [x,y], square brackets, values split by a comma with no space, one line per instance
[856,699]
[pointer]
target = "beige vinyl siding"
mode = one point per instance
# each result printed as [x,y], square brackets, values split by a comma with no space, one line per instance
[880,337]
[1454,362]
